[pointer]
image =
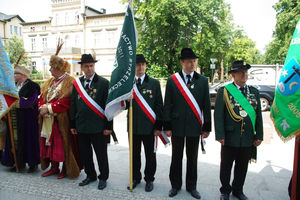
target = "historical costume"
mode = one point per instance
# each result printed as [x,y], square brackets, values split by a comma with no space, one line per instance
[57,143]
[25,120]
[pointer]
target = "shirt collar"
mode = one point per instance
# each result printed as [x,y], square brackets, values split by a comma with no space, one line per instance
[142,78]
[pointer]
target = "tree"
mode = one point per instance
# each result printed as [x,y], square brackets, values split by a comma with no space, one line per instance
[288,14]
[14,48]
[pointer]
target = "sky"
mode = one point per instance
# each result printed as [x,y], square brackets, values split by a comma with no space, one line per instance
[257,17]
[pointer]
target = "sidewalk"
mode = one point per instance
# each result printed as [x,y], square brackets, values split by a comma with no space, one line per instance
[267,179]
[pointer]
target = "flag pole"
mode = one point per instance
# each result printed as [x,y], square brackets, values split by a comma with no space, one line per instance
[12,141]
[130,135]
[130,146]
[295,170]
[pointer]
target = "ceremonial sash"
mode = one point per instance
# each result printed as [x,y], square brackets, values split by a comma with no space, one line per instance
[188,96]
[150,114]
[243,102]
[87,99]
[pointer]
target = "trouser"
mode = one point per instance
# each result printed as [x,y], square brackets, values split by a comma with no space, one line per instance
[150,166]
[99,143]
[241,156]
[192,145]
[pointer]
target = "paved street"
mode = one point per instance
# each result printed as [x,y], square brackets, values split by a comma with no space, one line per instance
[267,179]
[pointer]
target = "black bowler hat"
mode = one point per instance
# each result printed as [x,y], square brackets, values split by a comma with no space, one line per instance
[87,58]
[187,53]
[239,65]
[140,59]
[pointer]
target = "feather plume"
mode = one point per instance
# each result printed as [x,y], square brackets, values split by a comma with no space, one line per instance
[94,54]
[21,56]
[59,46]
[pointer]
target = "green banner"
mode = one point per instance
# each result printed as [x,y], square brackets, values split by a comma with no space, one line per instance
[285,111]
[122,76]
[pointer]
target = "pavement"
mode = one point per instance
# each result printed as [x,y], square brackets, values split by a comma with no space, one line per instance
[267,179]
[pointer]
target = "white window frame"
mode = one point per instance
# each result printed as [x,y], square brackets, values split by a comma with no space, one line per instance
[96,22]
[44,28]
[111,35]
[33,44]
[67,18]
[44,42]
[97,37]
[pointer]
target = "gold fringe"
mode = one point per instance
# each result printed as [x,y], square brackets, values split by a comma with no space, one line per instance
[284,139]
[9,94]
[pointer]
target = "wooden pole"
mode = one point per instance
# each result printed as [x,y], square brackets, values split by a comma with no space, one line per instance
[295,170]
[130,136]
[130,146]
[12,139]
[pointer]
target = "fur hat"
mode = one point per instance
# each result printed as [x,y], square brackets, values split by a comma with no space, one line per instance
[21,70]
[57,62]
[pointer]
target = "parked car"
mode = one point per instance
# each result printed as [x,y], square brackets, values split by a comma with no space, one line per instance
[266,93]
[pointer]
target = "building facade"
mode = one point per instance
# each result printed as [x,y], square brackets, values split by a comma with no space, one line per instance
[9,26]
[82,29]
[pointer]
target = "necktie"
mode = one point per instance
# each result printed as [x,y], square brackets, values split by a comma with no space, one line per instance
[87,83]
[242,89]
[139,83]
[189,80]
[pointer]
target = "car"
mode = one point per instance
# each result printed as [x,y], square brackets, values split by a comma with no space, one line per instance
[266,93]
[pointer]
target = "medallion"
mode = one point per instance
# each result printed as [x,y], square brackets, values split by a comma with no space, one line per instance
[243,113]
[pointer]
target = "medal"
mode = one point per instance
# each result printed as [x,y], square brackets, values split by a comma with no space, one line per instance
[150,96]
[192,86]
[243,113]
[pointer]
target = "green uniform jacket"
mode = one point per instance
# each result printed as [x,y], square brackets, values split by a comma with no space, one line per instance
[151,92]
[235,133]
[83,118]
[178,116]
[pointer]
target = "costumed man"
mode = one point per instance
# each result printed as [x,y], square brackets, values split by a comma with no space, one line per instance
[238,127]
[187,117]
[88,120]
[147,122]
[26,120]
[57,143]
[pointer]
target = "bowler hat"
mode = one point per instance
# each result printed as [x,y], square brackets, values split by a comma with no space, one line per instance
[187,53]
[140,59]
[239,65]
[87,58]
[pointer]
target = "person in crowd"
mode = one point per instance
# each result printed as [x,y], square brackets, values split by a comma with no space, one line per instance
[147,122]
[25,118]
[187,117]
[88,120]
[239,129]
[57,142]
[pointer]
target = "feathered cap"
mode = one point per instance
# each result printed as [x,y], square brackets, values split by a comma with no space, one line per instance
[57,62]
[21,69]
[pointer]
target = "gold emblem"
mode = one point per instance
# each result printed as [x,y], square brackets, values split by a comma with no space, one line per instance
[94,90]
[144,91]
[244,63]
[150,96]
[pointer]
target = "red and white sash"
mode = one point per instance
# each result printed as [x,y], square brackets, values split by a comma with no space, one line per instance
[87,99]
[188,96]
[150,114]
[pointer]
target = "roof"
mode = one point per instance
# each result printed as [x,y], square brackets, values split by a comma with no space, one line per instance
[7,18]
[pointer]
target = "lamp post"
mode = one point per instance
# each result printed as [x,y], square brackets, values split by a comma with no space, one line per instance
[212,67]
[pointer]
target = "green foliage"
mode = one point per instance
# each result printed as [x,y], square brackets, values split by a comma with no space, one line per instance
[288,14]
[36,75]
[14,47]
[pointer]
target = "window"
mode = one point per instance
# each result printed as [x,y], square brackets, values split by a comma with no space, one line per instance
[111,21]
[33,64]
[11,32]
[32,28]
[16,30]
[44,42]
[44,28]
[67,18]
[96,22]
[57,19]
[76,18]
[97,39]
[20,30]
[77,41]
[33,47]
[67,41]
[111,38]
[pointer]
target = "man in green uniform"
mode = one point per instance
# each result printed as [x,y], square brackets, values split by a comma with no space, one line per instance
[186,101]
[238,127]
[147,122]
[88,120]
